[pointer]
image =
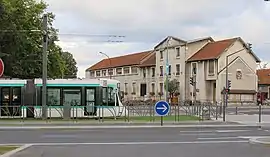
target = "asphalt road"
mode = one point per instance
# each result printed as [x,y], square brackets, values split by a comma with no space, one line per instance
[148,142]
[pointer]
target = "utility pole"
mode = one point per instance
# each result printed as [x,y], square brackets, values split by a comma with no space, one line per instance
[195,88]
[44,66]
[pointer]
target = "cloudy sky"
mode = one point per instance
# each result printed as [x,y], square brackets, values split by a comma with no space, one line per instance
[85,25]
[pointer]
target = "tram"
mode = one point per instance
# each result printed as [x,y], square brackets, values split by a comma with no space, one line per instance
[70,98]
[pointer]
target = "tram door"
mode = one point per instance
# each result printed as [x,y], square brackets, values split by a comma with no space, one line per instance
[10,101]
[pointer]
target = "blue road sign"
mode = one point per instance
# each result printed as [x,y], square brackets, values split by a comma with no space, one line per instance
[162,108]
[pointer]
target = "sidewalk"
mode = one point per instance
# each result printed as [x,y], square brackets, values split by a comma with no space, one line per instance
[17,125]
[247,119]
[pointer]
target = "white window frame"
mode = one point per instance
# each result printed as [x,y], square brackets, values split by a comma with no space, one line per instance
[177,74]
[125,68]
[121,71]
[178,48]
[208,68]
[191,69]
[161,54]
[97,73]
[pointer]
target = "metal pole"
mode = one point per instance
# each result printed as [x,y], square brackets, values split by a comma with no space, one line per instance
[166,76]
[44,66]
[109,61]
[224,113]
[195,88]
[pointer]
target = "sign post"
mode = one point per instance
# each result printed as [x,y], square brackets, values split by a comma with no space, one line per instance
[162,108]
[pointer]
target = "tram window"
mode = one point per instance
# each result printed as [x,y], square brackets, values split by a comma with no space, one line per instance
[111,96]
[72,96]
[53,97]
[16,97]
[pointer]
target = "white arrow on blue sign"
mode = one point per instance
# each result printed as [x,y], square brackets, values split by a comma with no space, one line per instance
[162,108]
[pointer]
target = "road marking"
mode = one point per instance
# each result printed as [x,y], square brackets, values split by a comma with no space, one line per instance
[221,131]
[59,136]
[212,131]
[202,134]
[233,137]
[198,131]
[217,138]
[132,143]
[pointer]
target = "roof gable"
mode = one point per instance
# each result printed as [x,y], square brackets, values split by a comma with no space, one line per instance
[167,38]
[126,60]
[212,50]
[264,76]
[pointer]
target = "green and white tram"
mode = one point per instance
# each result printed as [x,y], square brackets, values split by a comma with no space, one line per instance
[79,98]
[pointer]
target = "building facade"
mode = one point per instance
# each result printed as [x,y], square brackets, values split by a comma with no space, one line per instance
[264,82]
[202,59]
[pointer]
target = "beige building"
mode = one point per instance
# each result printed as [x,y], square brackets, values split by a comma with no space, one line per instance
[136,72]
[144,73]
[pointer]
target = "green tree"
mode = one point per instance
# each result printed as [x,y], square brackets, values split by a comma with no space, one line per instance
[20,48]
[173,87]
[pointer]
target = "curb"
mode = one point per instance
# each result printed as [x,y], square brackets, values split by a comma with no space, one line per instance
[260,141]
[119,126]
[9,154]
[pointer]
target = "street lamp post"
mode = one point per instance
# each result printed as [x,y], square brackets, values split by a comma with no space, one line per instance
[109,61]
[227,79]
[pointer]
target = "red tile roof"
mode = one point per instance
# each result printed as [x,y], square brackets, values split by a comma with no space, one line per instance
[150,60]
[212,50]
[264,76]
[126,60]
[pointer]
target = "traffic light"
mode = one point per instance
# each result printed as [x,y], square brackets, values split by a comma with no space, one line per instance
[229,85]
[191,81]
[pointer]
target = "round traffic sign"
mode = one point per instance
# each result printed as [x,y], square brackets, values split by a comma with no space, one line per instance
[2,67]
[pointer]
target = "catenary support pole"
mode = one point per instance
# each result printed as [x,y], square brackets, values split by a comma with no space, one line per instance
[44,66]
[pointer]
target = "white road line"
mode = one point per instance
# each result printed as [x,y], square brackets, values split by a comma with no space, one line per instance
[221,131]
[198,131]
[212,131]
[199,134]
[134,143]
[217,138]
[233,137]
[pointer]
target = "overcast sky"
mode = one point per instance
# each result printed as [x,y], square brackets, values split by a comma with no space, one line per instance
[145,23]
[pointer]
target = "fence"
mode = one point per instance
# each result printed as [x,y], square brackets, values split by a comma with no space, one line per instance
[134,111]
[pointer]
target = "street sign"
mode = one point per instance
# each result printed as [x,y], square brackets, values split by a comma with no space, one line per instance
[162,108]
[2,67]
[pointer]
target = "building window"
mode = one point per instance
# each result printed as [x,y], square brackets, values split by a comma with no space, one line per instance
[53,96]
[194,68]
[110,72]
[104,72]
[134,70]
[178,52]
[92,74]
[126,87]
[161,87]
[178,86]
[161,70]
[98,73]
[211,68]
[169,70]
[119,71]
[177,69]
[153,87]
[153,72]
[126,70]
[134,87]
[161,54]
[144,72]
